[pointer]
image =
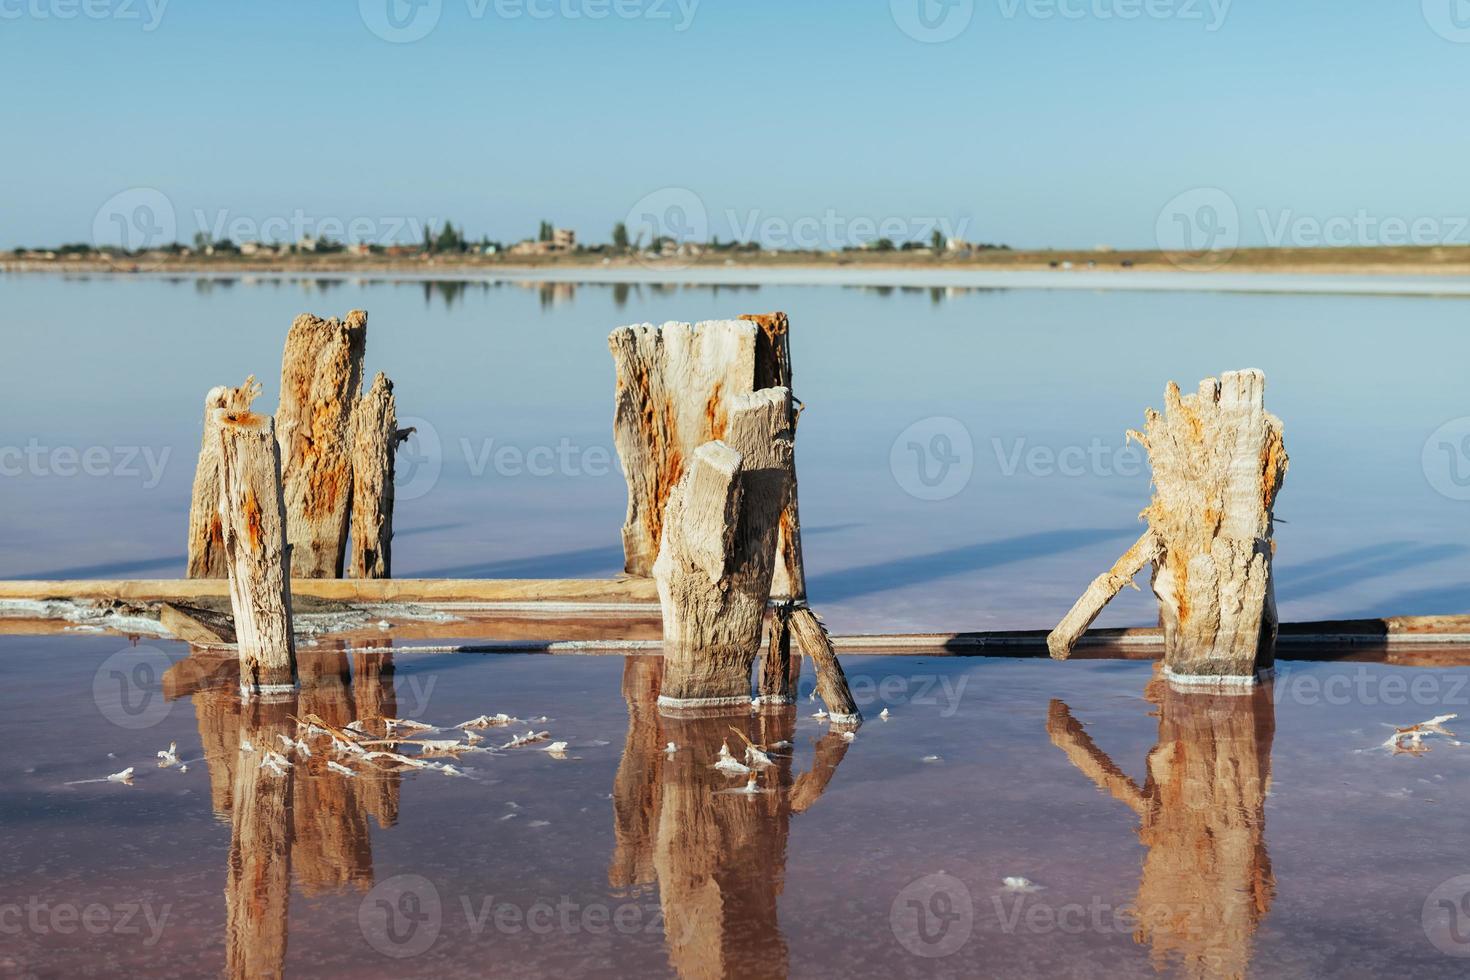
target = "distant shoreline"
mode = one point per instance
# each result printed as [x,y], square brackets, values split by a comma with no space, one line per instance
[1390,272]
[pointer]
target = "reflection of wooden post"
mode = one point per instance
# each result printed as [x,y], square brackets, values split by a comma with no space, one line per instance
[719,858]
[332,849]
[635,787]
[674,387]
[206,539]
[1207,880]
[375,442]
[375,698]
[321,375]
[253,518]
[721,862]
[258,888]
[1218,462]
[717,556]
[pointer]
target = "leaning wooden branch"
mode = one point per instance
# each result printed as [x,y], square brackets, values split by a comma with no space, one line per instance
[1102,590]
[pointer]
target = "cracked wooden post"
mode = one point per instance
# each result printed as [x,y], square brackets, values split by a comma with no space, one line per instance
[252,515]
[375,439]
[674,387]
[206,554]
[791,614]
[321,376]
[1218,463]
[718,553]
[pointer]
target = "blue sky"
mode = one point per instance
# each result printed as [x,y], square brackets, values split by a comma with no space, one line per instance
[1039,123]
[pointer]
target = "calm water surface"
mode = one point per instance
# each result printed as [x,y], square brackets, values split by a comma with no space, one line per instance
[1263,835]
[514,474]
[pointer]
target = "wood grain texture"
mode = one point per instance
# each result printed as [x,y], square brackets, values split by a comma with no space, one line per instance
[674,387]
[375,440]
[206,540]
[718,552]
[1218,461]
[321,377]
[252,515]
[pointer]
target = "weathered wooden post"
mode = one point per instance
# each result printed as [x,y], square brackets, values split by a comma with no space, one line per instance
[791,615]
[253,522]
[718,554]
[1218,462]
[674,386]
[375,440]
[321,377]
[206,557]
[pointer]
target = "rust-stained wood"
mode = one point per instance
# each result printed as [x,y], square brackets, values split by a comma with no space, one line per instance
[375,439]
[1218,462]
[674,387]
[206,540]
[256,555]
[718,554]
[321,378]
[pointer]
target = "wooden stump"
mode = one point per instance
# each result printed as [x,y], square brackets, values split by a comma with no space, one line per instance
[206,542]
[675,384]
[1218,462]
[375,442]
[252,516]
[717,557]
[321,376]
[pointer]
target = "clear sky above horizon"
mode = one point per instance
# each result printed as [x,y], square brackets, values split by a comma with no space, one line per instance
[1065,123]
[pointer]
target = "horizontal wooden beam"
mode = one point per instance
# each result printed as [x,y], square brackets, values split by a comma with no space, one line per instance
[617,590]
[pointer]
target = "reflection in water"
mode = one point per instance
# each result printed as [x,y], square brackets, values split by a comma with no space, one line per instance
[310,822]
[1207,880]
[718,858]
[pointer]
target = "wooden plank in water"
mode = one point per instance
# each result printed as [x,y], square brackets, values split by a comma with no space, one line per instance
[610,591]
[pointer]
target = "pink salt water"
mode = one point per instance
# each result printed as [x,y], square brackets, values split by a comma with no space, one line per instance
[1141,831]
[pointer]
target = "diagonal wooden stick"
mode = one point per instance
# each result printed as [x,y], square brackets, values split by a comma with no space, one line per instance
[1062,639]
